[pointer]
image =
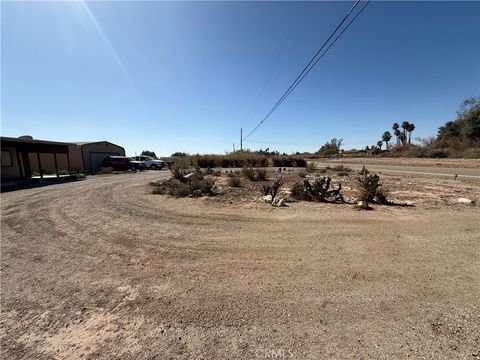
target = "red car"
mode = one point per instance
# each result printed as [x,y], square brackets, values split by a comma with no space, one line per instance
[123,163]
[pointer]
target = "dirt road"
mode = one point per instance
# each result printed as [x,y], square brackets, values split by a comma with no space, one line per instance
[102,269]
[472,173]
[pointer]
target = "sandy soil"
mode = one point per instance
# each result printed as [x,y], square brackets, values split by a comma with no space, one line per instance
[101,268]
[453,163]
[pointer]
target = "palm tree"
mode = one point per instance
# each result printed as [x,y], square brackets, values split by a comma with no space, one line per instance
[380,144]
[405,127]
[396,131]
[410,129]
[386,137]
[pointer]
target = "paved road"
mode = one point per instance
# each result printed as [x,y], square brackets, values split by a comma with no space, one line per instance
[422,170]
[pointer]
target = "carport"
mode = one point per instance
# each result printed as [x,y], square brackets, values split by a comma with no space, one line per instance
[15,156]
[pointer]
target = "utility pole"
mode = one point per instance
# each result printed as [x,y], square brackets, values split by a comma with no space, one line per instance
[241,139]
[233,147]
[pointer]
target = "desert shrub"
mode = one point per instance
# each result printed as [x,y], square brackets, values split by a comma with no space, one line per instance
[261,174]
[178,171]
[320,190]
[104,170]
[184,163]
[233,173]
[311,167]
[472,153]
[234,181]
[217,173]
[177,188]
[322,170]
[232,160]
[273,189]
[439,154]
[342,173]
[297,191]
[249,173]
[367,185]
[341,168]
[289,161]
[302,173]
[417,152]
[158,190]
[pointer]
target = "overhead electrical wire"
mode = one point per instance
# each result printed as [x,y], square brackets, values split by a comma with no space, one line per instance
[315,59]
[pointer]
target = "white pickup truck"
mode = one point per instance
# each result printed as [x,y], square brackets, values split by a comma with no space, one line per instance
[150,163]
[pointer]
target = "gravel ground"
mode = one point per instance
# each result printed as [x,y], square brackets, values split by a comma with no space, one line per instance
[101,268]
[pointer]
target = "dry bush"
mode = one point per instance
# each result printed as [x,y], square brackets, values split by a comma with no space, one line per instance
[320,191]
[381,196]
[341,168]
[367,185]
[234,173]
[302,173]
[298,191]
[178,171]
[234,181]
[232,160]
[311,168]
[289,161]
[273,189]
[261,174]
[249,173]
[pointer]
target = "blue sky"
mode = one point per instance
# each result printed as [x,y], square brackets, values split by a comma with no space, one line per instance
[185,76]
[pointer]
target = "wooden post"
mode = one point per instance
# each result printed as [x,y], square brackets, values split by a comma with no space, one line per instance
[56,165]
[20,166]
[39,165]
[68,164]
[27,170]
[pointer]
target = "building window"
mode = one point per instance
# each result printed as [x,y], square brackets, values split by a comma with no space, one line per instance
[6,158]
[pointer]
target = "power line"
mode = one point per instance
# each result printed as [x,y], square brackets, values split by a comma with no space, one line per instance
[311,63]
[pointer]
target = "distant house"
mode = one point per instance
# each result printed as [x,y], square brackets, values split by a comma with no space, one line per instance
[20,157]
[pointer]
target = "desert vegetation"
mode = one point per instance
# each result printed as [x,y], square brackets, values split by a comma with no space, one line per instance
[324,185]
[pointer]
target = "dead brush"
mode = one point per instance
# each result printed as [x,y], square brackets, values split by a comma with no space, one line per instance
[273,189]
[249,173]
[178,171]
[367,185]
[320,190]
[261,174]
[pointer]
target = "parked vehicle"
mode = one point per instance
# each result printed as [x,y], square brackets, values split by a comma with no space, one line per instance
[151,163]
[123,163]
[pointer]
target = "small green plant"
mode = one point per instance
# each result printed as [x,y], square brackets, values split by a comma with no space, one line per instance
[302,173]
[234,181]
[311,168]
